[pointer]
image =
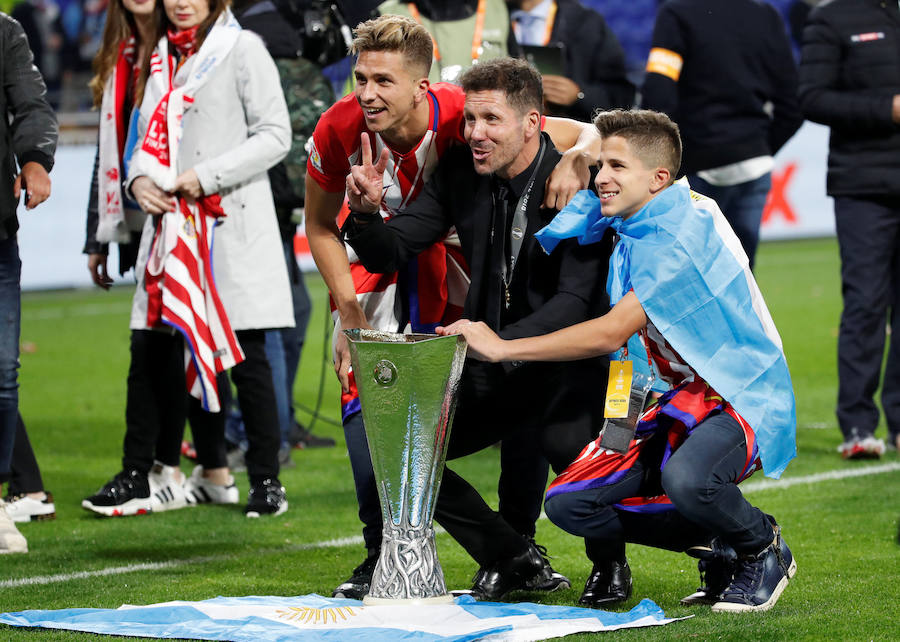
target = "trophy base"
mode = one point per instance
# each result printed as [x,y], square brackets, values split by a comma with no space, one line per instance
[408,570]
[407,601]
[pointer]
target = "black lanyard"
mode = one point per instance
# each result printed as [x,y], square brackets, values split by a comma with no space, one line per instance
[518,227]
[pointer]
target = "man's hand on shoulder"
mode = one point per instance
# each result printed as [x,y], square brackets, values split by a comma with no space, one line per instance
[36,182]
[365,181]
[570,175]
[895,110]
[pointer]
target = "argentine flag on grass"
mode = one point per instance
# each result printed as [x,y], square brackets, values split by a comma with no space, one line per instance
[313,617]
[688,270]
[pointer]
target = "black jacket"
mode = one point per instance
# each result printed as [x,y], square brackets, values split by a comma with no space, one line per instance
[31,132]
[594,60]
[737,61]
[559,290]
[849,75]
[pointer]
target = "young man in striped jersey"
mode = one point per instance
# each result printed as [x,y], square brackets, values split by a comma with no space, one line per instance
[400,111]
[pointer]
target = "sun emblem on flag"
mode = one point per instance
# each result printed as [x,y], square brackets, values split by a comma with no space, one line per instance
[189,228]
[316,616]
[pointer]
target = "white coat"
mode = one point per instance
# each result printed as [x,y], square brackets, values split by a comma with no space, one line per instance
[235,130]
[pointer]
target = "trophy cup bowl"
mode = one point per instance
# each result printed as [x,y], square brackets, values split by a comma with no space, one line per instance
[407,391]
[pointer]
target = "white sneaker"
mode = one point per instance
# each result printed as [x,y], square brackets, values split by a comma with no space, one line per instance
[22,508]
[11,540]
[166,490]
[868,447]
[199,490]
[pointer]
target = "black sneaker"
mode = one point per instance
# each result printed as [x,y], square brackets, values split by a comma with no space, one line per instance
[716,564]
[758,579]
[301,437]
[356,587]
[128,493]
[266,498]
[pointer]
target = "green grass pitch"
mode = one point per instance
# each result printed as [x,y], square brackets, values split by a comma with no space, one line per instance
[843,531]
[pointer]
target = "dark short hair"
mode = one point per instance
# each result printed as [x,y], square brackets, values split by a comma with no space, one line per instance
[653,136]
[518,79]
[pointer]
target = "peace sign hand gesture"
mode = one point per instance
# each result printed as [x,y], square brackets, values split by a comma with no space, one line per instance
[365,182]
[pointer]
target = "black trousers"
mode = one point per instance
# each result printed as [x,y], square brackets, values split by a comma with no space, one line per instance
[868,232]
[158,404]
[26,475]
[256,395]
[544,409]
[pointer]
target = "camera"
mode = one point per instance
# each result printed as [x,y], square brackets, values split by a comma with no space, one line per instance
[323,26]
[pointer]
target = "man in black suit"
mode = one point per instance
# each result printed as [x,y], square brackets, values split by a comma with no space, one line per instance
[491,192]
[593,70]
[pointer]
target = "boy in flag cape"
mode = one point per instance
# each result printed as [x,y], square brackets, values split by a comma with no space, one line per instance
[685,302]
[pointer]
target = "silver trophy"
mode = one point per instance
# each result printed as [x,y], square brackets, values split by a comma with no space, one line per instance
[407,390]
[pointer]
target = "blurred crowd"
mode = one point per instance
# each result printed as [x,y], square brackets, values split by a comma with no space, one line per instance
[65,35]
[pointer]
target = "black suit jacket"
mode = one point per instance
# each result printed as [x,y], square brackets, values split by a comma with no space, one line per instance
[560,289]
[594,60]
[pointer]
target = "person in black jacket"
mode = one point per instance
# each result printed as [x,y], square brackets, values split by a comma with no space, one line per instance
[594,75]
[850,81]
[492,193]
[725,73]
[28,134]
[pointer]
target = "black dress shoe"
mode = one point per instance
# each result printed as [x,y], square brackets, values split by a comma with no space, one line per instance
[512,574]
[608,584]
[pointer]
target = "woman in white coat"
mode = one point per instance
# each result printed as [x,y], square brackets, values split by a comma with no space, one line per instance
[213,120]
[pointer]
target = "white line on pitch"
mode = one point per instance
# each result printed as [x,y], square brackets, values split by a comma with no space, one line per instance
[357,540]
[830,475]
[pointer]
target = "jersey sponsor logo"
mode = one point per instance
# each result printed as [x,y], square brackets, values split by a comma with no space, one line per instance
[867,37]
[665,62]
[314,157]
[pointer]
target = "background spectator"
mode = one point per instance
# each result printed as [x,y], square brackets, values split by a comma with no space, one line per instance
[850,81]
[594,63]
[464,31]
[724,72]
[28,133]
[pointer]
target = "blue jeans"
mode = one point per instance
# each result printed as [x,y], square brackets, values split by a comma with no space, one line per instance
[699,478]
[10,317]
[742,205]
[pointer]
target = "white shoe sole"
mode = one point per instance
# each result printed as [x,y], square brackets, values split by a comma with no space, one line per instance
[281,509]
[203,494]
[732,607]
[702,598]
[131,507]
[166,499]
[33,516]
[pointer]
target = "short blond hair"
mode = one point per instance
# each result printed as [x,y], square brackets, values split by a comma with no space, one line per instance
[395,33]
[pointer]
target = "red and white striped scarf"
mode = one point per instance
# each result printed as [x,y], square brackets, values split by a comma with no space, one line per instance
[179,278]
[116,219]
[181,293]
[169,93]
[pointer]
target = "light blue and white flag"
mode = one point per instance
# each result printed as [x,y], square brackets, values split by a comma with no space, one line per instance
[688,270]
[313,617]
